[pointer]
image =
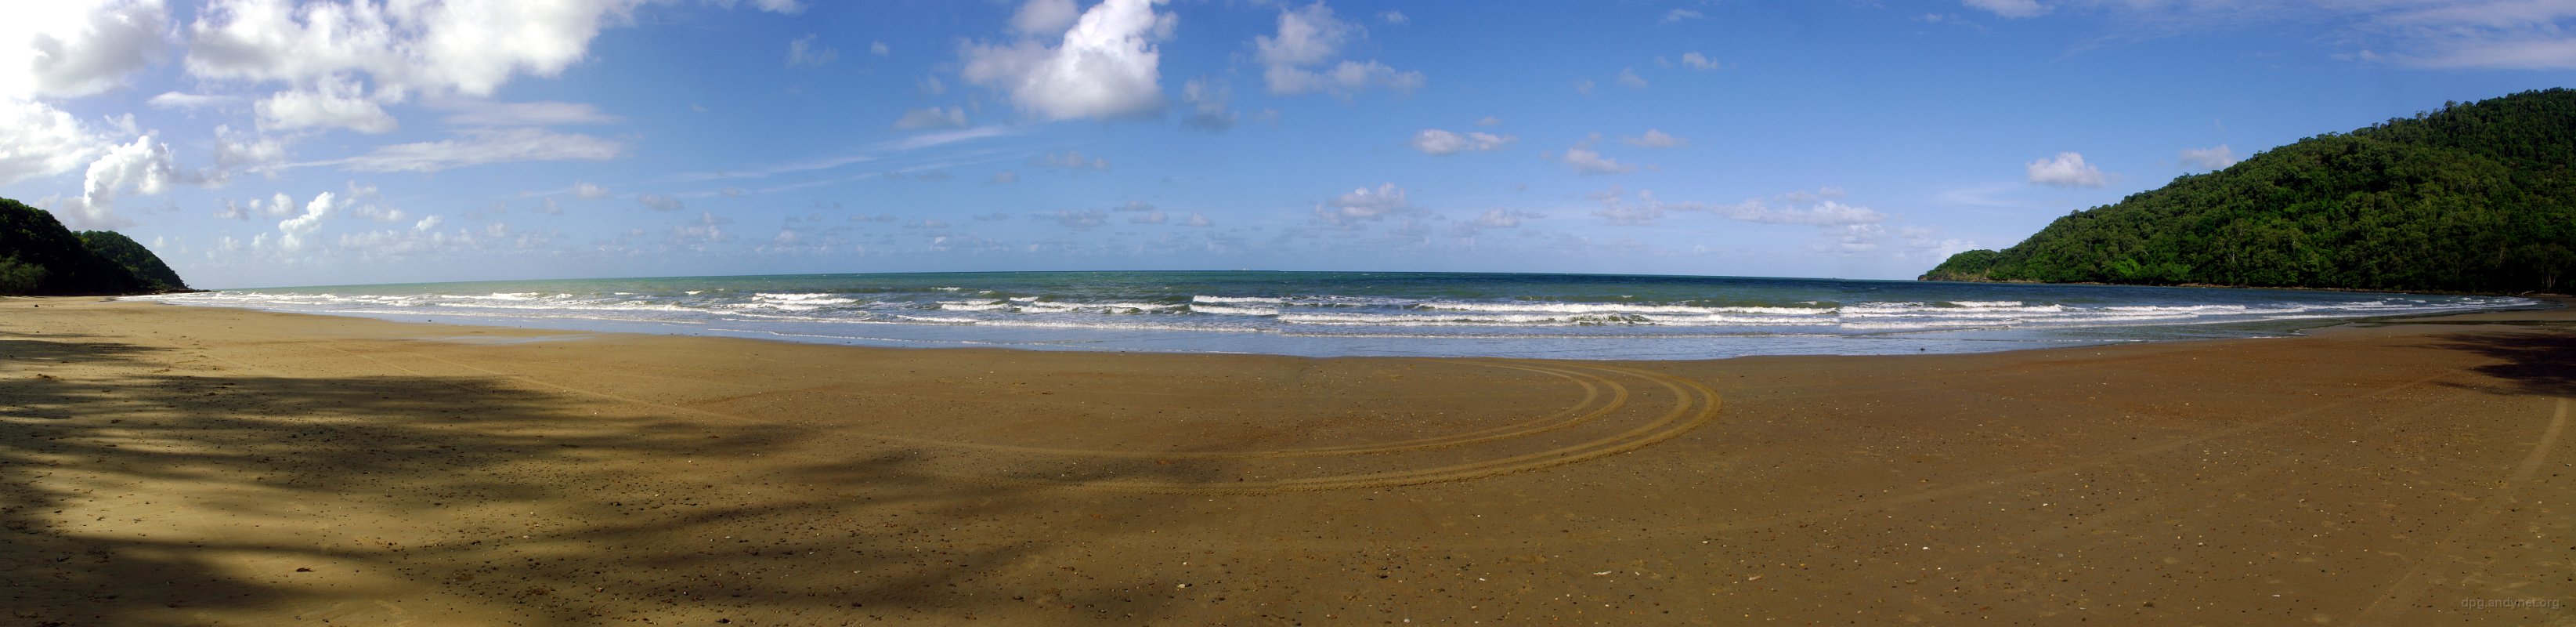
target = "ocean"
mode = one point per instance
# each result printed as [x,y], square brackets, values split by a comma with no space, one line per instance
[1320,314]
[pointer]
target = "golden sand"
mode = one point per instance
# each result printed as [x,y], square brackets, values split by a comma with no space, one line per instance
[165,465]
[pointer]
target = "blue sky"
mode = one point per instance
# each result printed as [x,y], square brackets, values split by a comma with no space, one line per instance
[270,142]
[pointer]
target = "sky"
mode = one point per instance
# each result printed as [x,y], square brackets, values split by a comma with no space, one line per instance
[260,143]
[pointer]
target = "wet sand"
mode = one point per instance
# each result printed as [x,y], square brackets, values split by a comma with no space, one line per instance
[165,465]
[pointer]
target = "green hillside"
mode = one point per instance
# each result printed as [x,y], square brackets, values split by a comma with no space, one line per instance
[39,257]
[2477,197]
[126,252]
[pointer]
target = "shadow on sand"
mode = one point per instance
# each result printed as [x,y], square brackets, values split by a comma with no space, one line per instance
[89,429]
[2536,363]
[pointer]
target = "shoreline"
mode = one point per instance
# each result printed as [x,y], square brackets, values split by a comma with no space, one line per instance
[443,474]
[1157,337]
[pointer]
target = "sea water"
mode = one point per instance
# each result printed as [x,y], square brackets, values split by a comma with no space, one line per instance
[1367,313]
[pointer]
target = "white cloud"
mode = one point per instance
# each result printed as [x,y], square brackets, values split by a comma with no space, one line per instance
[296,232]
[1004,177]
[1802,210]
[1209,106]
[801,51]
[426,224]
[1082,220]
[1150,216]
[1105,67]
[485,146]
[880,49]
[70,49]
[2067,169]
[2009,8]
[1495,218]
[142,167]
[1197,219]
[1585,161]
[1347,210]
[1045,17]
[1395,17]
[1489,121]
[587,191]
[540,113]
[39,140]
[1677,15]
[1655,139]
[1697,61]
[463,46]
[331,103]
[238,151]
[2215,158]
[932,117]
[184,101]
[1583,87]
[1069,160]
[658,202]
[1434,141]
[1628,78]
[1294,58]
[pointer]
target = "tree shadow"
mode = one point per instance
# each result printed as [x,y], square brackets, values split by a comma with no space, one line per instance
[620,524]
[2535,363]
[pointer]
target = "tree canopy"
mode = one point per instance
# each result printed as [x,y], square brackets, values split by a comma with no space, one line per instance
[38,256]
[2476,197]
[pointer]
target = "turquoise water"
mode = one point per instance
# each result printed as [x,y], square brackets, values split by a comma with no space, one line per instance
[1345,313]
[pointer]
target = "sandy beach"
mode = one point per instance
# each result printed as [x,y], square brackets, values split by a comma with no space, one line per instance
[165,465]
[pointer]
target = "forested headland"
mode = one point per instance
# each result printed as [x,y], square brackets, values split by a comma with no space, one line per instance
[40,257]
[2476,197]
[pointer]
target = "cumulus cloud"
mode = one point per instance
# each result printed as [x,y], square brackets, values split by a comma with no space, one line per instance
[1677,15]
[2067,169]
[658,202]
[142,167]
[2214,158]
[802,51]
[1208,106]
[485,146]
[330,103]
[239,151]
[1697,61]
[1198,220]
[1299,57]
[2009,8]
[70,49]
[1585,161]
[1083,220]
[296,233]
[1363,204]
[1434,141]
[1655,139]
[39,140]
[1004,177]
[587,191]
[462,46]
[932,117]
[1628,78]
[1105,66]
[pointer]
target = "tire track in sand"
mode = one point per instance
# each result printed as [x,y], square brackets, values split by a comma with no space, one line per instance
[1680,419]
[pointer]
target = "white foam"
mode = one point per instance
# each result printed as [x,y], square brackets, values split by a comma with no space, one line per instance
[1223,310]
[1238,300]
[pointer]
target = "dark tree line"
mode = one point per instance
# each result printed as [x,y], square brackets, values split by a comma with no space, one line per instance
[2477,197]
[39,256]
